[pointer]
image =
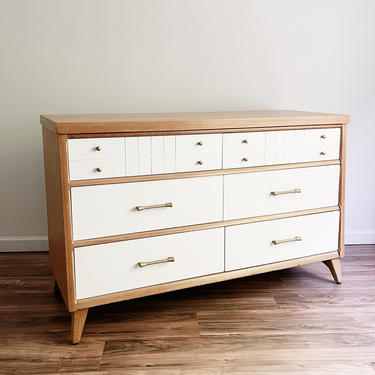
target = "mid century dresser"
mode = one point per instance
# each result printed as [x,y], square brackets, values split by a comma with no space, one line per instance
[140,204]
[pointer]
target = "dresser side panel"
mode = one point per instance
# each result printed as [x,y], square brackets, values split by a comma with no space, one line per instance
[55,214]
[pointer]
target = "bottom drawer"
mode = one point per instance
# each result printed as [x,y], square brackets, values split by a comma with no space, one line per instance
[253,244]
[114,267]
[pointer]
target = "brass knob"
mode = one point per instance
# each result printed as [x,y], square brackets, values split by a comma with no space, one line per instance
[322,153]
[98,148]
[245,141]
[245,159]
[200,162]
[323,136]
[200,143]
[99,169]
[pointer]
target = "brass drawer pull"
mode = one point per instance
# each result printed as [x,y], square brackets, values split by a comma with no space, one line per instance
[245,141]
[200,162]
[322,153]
[98,148]
[323,136]
[245,159]
[297,238]
[286,192]
[200,143]
[99,169]
[141,208]
[166,260]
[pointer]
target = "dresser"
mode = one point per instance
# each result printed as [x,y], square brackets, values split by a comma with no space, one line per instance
[141,204]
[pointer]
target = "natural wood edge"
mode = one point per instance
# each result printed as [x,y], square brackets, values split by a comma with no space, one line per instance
[342,190]
[64,167]
[215,172]
[201,131]
[78,320]
[202,280]
[334,266]
[47,123]
[108,126]
[195,227]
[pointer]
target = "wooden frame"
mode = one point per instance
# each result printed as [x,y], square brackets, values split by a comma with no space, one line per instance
[58,129]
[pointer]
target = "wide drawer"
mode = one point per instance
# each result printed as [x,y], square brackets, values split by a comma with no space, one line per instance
[271,192]
[105,210]
[272,241]
[114,267]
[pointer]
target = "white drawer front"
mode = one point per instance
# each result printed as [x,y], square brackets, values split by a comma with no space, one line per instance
[113,267]
[243,149]
[251,245]
[96,148]
[90,169]
[105,210]
[198,162]
[250,194]
[325,152]
[189,144]
[322,137]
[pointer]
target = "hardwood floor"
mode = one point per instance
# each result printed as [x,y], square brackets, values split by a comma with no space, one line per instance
[295,321]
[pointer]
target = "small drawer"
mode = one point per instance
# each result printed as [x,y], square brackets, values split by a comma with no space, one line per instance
[271,192]
[96,148]
[244,141]
[106,210]
[272,241]
[324,152]
[199,161]
[91,169]
[198,143]
[115,267]
[322,137]
[243,158]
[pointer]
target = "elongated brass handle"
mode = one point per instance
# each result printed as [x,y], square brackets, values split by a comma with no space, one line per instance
[297,238]
[286,192]
[141,208]
[166,260]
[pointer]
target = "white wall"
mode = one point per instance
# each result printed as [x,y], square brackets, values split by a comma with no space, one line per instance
[86,56]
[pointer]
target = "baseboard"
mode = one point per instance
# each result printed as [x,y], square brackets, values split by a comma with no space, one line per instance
[365,238]
[23,243]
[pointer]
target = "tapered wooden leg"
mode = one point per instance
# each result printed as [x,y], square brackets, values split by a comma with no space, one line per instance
[334,266]
[78,322]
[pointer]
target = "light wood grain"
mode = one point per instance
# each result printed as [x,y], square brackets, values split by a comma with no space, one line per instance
[342,190]
[78,322]
[109,123]
[190,228]
[200,131]
[334,266]
[59,241]
[216,172]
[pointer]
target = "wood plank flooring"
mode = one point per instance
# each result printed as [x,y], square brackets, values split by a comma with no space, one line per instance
[295,321]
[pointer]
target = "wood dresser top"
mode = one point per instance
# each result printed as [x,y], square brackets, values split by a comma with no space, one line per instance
[144,122]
